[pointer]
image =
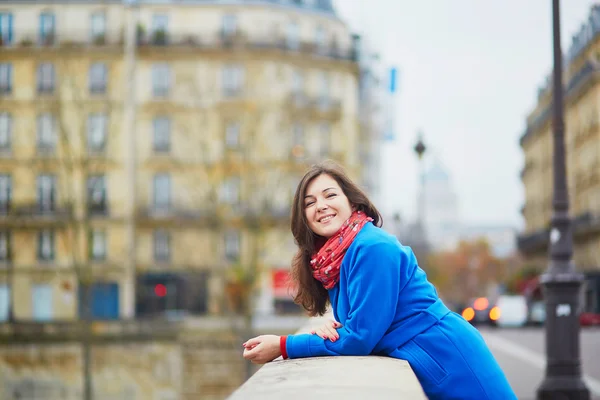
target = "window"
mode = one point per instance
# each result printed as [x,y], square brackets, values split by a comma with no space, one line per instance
[5,192]
[98,78]
[45,132]
[233,80]
[4,246]
[5,78]
[230,25]
[161,127]
[45,250]
[45,78]
[232,245]
[324,4]
[98,28]
[96,194]
[97,245]
[298,135]
[230,191]
[162,246]
[47,28]
[323,89]
[161,80]
[297,82]
[6,29]
[320,39]
[160,23]
[4,301]
[5,131]
[96,132]
[232,135]
[46,192]
[293,33]
[42,302]
[298,140]
[324,139]
[162,192]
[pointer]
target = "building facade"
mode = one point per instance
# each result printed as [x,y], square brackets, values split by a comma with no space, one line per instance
[582,146]
[150,150]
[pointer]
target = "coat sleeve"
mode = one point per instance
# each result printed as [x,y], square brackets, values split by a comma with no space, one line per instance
[374,284]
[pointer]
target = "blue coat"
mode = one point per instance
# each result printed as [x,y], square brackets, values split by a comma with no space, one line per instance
[387,307]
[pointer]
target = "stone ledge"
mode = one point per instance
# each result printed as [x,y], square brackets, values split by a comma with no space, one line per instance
[334,377]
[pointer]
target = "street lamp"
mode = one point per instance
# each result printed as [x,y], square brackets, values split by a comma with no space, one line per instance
[561,283]
[420,150]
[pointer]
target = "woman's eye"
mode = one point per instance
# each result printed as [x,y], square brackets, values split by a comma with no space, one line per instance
[309,204]
[331,195]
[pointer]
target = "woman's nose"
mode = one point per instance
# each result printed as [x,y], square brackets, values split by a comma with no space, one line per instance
[321,206]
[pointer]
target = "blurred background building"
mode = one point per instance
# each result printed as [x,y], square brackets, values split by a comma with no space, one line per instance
[582,141]
[150,152]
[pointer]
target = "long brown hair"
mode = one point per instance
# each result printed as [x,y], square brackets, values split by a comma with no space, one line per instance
[311,294]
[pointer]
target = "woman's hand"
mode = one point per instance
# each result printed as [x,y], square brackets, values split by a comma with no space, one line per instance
[328,331]
[262,349]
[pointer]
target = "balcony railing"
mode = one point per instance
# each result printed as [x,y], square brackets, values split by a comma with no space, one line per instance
[533,241]
[321,105]
[160,40]
[576,81]
[23,215]
[171,214]
[98,208]
[120,330]
[536,241]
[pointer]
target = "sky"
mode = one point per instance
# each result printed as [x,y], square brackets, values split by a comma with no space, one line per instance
[469,75]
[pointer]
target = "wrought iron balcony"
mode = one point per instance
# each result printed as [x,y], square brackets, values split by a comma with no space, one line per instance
[316,106]
[537,241]
[97,331]
[167,41]
[532,242]
[575,83]
[35,215]
[171,215]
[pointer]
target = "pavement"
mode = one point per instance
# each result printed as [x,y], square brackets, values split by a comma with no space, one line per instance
[521,354]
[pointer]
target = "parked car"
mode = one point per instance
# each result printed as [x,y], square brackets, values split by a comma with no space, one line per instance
[512,311]
[537,313]
[589,319]
[480,311]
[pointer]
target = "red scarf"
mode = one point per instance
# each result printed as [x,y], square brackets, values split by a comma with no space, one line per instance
[326,263]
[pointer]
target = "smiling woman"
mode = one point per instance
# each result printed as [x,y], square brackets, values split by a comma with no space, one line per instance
[326,206]
[382,301]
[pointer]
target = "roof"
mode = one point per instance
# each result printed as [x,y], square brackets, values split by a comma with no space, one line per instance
[321,6]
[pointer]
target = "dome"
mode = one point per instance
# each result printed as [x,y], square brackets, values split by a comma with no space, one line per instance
[436,173]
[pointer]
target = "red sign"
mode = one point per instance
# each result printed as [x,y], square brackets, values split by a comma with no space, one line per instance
[283,288]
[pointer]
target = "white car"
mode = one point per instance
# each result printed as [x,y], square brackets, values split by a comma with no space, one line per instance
[513,311]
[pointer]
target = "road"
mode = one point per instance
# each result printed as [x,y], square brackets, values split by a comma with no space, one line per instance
[521,354]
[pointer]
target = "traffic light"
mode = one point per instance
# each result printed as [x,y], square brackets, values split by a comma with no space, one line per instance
[160,290]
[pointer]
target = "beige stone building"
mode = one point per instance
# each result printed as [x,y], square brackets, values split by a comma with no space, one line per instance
[149,148]
[148,156]
[582,145]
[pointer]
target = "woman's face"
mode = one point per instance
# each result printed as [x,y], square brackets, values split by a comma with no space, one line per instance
[326,206]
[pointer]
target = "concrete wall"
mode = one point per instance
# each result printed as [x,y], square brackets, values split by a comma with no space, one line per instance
[332,378]
[201,366]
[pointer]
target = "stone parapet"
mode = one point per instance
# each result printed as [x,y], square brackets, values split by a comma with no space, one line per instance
[332,378]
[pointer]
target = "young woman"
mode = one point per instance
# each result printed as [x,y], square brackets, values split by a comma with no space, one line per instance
[380,297]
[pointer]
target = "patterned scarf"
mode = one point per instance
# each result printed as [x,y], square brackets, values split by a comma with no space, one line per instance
[326,263]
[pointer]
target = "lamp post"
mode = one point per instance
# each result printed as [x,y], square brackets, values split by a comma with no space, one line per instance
[420,150]
[419,234]
[561,283]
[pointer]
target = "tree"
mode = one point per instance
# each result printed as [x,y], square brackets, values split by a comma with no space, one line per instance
[467,271]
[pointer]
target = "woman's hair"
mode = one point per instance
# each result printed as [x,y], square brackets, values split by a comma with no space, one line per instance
[311,294]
